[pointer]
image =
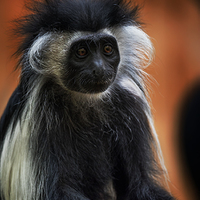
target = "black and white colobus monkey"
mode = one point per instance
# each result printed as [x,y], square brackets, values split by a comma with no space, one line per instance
[78,126]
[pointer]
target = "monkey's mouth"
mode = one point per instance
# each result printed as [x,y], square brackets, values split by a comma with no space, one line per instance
[97,86]
[90,84]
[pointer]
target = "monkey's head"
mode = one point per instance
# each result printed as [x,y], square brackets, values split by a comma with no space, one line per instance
[81,62]
[84,46]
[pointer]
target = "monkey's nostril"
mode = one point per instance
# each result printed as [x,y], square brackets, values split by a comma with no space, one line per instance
[94,72]
[98,72]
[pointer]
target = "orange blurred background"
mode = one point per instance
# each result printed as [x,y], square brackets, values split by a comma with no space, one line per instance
[174,26]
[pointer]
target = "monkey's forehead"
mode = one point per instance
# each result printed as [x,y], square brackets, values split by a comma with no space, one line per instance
[60,42]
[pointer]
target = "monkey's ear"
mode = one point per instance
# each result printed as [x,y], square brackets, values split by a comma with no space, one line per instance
[37,53]
[136,48]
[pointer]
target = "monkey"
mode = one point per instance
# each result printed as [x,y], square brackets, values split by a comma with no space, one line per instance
[79,124]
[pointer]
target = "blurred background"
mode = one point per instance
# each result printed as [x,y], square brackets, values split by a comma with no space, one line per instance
[174,27]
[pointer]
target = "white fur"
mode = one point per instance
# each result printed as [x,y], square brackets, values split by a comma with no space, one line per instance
[134,44]
[131,86]
[17,174]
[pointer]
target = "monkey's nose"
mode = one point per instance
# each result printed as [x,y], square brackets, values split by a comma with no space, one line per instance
[98,69]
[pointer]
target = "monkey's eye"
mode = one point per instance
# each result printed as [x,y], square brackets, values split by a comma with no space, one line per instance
[107,49]
[81,53]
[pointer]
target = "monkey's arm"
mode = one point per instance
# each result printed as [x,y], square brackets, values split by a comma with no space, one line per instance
[136,169]
[134,173]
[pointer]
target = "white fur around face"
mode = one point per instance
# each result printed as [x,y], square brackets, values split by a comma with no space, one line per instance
[134,44]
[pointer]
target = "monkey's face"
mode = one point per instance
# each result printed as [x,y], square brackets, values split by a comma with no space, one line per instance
[91,63]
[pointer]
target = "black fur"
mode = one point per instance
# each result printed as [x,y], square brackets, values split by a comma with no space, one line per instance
[79,147]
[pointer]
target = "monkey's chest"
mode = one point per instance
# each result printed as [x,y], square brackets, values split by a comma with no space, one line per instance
[89,160]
